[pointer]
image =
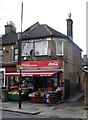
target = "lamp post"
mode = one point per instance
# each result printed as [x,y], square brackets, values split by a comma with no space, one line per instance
[19,55]
[19,63]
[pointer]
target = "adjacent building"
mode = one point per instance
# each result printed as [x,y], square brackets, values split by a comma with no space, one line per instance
[85,78]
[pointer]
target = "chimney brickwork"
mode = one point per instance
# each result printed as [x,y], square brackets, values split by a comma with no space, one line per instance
[10,27]
[70,27]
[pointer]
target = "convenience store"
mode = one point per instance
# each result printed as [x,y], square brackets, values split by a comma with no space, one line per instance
[36,77]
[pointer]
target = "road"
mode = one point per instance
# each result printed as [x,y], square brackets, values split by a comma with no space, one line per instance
[6,115]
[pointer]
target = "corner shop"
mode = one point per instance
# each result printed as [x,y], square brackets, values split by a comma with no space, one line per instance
[37,76]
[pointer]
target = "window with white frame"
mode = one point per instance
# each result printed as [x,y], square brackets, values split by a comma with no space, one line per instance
[15,54]
[26,48]
[59,47]
[41,47]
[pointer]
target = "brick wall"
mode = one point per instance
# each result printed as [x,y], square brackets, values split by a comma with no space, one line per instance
[8,54]
[72,66]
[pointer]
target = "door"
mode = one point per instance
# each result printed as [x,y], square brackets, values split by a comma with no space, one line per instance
[67,89]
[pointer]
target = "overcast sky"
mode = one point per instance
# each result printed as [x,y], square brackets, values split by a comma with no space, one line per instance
[51,12]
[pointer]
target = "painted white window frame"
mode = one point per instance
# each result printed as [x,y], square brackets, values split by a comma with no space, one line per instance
[62,48]
[26,49]
[41,49]
[15,54]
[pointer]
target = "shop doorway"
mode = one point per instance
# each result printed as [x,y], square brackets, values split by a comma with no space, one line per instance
[45,82]
[40,82]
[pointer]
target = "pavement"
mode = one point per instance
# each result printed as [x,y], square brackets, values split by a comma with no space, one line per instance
[59,110]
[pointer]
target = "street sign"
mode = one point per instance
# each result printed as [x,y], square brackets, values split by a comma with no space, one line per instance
[20,66]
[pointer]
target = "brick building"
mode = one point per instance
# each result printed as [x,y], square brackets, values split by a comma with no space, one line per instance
[42,43]
[9,43]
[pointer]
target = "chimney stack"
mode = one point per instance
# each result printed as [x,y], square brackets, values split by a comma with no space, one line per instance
[10,28]
[70,27]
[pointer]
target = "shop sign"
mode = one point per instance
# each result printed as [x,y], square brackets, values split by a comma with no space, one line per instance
[41,64]
[20,66]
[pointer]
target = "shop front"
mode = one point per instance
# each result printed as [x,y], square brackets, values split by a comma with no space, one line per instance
[36,79]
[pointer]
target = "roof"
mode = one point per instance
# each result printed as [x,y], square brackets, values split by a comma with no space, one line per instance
[41,31]
[36,31]
[30,28]
[33,32]
[12,38]
[9,38]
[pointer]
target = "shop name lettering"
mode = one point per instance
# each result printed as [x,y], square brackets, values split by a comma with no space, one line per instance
[30,65]
[42,64]
[53,64]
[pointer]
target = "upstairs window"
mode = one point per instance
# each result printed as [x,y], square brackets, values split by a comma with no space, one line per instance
[41,47]
[16,54]
[26,48]
[59,48]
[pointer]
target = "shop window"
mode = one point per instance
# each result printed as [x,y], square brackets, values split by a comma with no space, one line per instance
[26,48]
[59,47]
[50,82]
[28,82]
[41,48]
[1,78]
[11,81]
[53,82]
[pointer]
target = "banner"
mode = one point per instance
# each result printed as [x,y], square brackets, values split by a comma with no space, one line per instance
[42,64]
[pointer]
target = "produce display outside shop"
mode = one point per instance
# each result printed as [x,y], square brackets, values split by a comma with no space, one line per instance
[39,96]
[13,94]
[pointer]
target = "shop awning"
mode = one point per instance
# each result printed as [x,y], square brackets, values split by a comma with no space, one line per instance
[34,73]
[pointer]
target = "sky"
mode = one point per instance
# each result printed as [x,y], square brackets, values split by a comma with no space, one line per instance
[51,12]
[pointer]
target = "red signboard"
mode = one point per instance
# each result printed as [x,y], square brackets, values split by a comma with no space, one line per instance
[10,69]
[34,73]
[42,64]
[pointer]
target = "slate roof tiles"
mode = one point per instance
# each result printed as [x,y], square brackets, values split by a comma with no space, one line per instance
[42,31]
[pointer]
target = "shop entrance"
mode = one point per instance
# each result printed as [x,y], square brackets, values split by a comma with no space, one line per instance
[45,82]
[40,82]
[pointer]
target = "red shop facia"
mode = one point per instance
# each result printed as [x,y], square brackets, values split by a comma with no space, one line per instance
[36,77]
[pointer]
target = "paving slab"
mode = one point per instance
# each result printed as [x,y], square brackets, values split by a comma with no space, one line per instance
[60,110]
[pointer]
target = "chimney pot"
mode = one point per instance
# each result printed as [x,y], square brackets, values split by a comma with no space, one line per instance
[69,15]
